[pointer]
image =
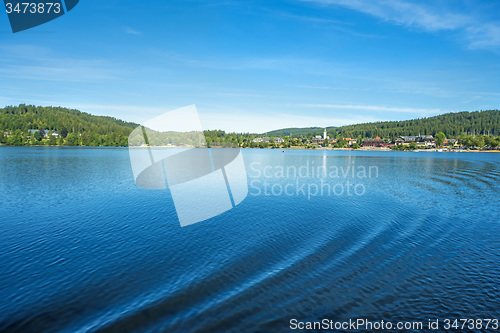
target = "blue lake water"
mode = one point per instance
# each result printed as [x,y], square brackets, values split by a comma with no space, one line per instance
[83,249]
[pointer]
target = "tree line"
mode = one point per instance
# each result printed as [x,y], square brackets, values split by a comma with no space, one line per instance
[451,124]
[75,128]
[33,125]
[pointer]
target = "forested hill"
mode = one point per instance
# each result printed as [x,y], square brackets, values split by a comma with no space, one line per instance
[36,125]
[75,127]
[297,131]
[451,124]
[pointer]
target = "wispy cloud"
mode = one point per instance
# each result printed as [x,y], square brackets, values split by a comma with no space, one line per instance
[238,120]
[312,19]
[285,63]
[421,111]
[478,31]
[131,31]
[41,64]
[336,25]
[241,95]
[405,13]
[268,121]
[76,71]
[17,51]
[246,120]
[484,36]
[314,87]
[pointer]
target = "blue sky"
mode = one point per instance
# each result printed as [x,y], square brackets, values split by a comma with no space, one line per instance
[255,66]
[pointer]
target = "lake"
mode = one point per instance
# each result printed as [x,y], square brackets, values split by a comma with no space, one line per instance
[393,236]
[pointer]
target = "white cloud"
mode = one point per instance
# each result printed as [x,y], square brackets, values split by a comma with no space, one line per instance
[484,36]
[251,121]
[268,121]
[279,63]
[420,111]
[42,64]
[240,120]
[72,71]
[131,31]
[475,28]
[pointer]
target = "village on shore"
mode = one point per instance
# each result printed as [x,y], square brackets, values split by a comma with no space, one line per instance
[30,125]
[407,143]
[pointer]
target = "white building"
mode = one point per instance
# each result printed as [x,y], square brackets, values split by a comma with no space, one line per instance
[259,140]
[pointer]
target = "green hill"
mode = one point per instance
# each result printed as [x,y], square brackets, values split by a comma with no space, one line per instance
[75,127]
[451,124]
[20,125]
[295,131]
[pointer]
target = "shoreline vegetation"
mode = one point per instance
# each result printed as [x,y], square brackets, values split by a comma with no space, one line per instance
[29,125]
[284,149]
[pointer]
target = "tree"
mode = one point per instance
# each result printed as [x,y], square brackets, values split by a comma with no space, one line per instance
[462,139]
[52,140]
[37,136]
[72,140]
[64,132]
[488,140]
[107,131]
[42,132]
[341,143]
[478,141]
[355,146]
[440,137]
[263,144]
[412,146]
[495,143]
[15,140]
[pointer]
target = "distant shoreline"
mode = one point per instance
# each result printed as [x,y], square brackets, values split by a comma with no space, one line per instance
[284,149]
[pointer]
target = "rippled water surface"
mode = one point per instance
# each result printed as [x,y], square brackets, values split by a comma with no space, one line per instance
[82,248]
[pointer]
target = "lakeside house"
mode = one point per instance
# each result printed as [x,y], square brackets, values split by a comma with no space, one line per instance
[422,141]
[277,140]
[451,143]
[32,131]
[47,133]
[350,141]
[320,140]
[259,140]
[376,142]
[316,139]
